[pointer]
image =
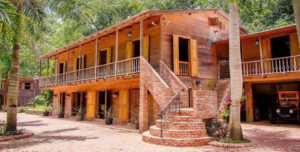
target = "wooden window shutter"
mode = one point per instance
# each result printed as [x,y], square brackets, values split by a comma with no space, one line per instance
[294,46]
[176,54]
[266,51]
[193,51]
[129,50]
[108,55]
[31,86]
[146,47]
[23,85]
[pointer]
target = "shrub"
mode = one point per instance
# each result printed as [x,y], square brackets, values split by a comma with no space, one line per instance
[21,109]
[9,133]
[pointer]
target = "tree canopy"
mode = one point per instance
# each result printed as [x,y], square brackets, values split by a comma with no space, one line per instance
[69,20]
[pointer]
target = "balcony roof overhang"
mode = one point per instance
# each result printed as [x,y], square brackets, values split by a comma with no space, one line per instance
[132,20]
[287,29]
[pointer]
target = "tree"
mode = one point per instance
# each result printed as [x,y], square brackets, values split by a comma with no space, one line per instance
[236,79]
[296,4]
[32,12]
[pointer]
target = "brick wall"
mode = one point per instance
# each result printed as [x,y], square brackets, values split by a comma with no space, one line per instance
[205,103]
[175,83]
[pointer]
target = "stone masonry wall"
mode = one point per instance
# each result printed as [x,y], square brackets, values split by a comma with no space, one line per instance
[205,103]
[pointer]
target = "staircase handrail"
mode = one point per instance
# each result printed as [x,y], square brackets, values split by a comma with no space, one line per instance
[224,97]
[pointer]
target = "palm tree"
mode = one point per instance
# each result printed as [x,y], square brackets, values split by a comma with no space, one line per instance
[236,79]
[296,4]
[30,11]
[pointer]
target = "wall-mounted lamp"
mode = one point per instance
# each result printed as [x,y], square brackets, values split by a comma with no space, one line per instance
[115,94]
[129,34]
[153,23]
[55,95]
[73,53]
[198,83]
[257,42]
[68,95]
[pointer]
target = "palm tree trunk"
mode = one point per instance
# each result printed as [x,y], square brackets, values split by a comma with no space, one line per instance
[296,4]
[13,83]
[236,80]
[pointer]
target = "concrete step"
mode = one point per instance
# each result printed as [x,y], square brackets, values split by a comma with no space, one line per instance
[182,112]
[178,142]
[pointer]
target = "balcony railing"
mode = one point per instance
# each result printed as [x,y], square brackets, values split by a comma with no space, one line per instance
[120,68]
[184,68]
[263,67]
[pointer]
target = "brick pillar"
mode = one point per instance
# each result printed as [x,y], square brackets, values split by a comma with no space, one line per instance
[143,110]
[56,103]
[249,102]
[91,105]
[68,105]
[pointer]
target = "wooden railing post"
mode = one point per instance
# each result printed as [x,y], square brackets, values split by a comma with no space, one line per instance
[96,58]
[117,50]
[260,53]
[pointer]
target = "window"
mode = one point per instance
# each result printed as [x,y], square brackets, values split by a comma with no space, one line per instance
[212,21]
[27,86]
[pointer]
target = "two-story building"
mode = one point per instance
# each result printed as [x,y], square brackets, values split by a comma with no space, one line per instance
[28,89]
[156,68]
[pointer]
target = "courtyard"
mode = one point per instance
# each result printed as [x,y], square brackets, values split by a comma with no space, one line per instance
[63,135]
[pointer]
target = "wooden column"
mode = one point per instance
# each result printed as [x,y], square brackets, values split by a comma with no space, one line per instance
[261,57]
[40,68]
[117,50]
[56,68]
[96,58]
[249,102]
[67,63]
[141,37]
[48,62]
[80,63]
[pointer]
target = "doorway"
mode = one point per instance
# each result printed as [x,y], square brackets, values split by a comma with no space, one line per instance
[102,58]
[102,102]
[183,50]
[1,100]
[62,101]
[61,68]
[280,47]
[136,48]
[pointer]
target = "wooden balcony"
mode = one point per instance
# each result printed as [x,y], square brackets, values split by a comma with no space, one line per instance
[115,69]
[184,68]
[283,65]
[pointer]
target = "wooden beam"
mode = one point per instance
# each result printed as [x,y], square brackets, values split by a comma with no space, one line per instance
[261,57]
[141,37]
[117,50]
[96,58]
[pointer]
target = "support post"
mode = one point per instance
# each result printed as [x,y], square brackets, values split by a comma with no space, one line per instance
[48,62]
[249,102]
[56,68]
[261,60]
[117,50]
[141,37]
[143,109]
[96,58]
[67,66]
[40,68]
[80,64]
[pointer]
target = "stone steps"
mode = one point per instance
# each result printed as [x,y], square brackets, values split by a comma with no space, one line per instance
[178,142]
[182,112]
[180,125]
[155,131]
[181,130]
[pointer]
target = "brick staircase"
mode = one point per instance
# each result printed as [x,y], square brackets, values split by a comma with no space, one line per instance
[181,130]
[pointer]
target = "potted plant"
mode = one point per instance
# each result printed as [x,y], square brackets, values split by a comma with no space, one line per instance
[47,111]
[80,114]
[109,118]
[61,113]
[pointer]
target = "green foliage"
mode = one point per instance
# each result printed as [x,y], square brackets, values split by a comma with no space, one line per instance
[3,132]
[225,115]
[44,99]
[21,109]
[108,113]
